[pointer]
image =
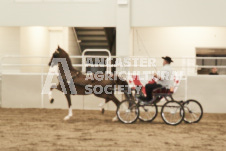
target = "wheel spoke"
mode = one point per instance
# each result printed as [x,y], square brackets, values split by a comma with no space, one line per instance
[148,113]
[172,113]
[194,115]
[127,112]
[193,111]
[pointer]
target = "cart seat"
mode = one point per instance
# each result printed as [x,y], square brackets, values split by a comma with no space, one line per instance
[163,91]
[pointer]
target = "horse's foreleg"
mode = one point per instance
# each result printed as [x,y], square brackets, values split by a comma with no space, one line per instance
[54,86]
[69,107]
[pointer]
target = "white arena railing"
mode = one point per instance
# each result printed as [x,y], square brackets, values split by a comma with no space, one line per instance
[187,65]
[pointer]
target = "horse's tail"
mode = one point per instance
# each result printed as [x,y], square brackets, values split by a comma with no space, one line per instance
[125,85]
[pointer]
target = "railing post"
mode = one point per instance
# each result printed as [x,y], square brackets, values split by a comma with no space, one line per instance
[42,79]
[108,65]
[186,80]
[1,81]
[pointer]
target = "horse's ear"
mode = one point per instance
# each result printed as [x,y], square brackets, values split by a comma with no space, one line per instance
[58,48]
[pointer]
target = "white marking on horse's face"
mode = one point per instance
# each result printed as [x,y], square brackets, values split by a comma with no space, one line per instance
[54,69]
[57,51]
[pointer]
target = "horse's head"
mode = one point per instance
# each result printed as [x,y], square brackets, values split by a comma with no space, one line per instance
[58,53]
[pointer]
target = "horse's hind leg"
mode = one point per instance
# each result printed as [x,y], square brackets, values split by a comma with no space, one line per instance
[101,105]
[114,99]
[68,96]
[117,102]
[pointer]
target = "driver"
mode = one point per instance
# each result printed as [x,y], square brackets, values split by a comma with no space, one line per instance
[163,80]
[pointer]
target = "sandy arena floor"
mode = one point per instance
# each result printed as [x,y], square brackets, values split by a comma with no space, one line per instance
[44,129]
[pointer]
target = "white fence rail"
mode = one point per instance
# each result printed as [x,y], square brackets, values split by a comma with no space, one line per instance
[186,64]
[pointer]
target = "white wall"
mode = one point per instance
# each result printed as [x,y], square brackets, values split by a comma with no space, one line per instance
[178,13]
[123,30]
[9,40]
[155,41]
[177,42]
[78,13]
[104,13]
[35,41]
[108,13]
[9,44]
[26,90]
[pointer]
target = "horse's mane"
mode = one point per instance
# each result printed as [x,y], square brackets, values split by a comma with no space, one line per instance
[66,55]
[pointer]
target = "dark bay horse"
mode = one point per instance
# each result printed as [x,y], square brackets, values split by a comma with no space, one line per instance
[80,82]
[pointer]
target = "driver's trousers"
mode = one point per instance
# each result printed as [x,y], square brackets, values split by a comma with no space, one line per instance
[149,89]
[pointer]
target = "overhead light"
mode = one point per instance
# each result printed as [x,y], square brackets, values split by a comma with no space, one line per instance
[28,1]
[83,1]
[62,1]
[56,28]
[57,0]
[122,2]
[88,1]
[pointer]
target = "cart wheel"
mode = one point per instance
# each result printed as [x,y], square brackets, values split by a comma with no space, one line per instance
[193,111]
[148,113]
[127,112]
[172,113]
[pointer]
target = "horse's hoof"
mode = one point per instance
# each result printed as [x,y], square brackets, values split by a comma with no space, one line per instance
[115,119]
[66,118]
[102,110]
[51,101]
